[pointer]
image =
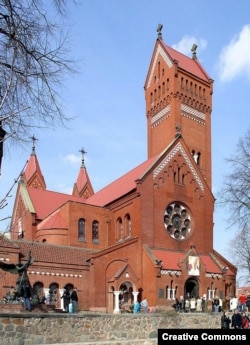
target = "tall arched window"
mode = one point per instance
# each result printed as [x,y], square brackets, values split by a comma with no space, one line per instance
[159,92]
[95,231]
[127,226]
[168,84]
[163,88]
[159,70]
[119,230]
[81,229]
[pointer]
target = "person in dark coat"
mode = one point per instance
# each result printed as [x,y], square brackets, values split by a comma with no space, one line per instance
[216,304]
[236,319]
[225,321]
[74,300]
[26,294]
[66,299]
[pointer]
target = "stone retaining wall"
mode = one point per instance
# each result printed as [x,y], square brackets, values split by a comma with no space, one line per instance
[35,329]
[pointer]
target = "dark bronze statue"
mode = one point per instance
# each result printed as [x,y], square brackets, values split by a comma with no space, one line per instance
[21,270]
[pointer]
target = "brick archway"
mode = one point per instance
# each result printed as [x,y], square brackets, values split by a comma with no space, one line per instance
[191,288]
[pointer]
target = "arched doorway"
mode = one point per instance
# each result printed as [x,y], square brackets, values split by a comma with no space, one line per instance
[38,293]
[126,297]
[54,295]
[191,288]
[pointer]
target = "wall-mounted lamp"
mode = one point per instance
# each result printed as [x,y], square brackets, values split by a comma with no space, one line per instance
[127,275]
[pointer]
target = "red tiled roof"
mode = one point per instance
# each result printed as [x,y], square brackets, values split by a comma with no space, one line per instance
[32,168]
[189,64]
[121,186]
[49,253]
[54,221]
[210,265]
[82,179]
[6,243]
[45,202]
[171,260]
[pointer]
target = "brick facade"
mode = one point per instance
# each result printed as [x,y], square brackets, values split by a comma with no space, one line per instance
[143,232]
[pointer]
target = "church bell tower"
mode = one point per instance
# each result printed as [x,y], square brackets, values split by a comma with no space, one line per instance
[178,94]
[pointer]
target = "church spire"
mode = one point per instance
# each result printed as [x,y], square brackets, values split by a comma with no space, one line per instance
[83,187]
[32,175]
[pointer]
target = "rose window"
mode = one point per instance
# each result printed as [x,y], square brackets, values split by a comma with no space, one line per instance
[177,221]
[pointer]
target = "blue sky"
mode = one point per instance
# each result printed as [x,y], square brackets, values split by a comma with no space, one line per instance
[113,42]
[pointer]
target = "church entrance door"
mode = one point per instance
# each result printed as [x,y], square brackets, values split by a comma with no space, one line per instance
[191,288]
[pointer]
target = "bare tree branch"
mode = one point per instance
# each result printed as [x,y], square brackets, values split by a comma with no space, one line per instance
[239,252]
[34,62]
[235,193]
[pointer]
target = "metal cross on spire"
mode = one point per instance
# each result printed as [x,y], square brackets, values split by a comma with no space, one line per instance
[159,29]
[193,50]
[34,139]
[83,152]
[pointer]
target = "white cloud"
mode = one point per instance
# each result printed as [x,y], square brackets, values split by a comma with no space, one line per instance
[74,160]
[234,59]
[186,43]
[71,158]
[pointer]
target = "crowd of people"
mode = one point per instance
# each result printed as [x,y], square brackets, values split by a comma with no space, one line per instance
[24,295]
[239,306]
[186,305]
[241,313]
[216,305]
[240,320]
[70,300]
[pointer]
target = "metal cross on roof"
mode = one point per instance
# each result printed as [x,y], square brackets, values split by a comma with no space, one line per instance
[34,139]
[83,152]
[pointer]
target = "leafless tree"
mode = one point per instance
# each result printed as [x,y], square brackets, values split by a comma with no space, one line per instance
[239,252]
[34,61]
[235,193]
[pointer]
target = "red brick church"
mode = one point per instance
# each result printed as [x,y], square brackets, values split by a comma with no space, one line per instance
[147,234]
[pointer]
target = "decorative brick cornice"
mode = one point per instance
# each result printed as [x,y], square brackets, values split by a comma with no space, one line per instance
[171,273]
[160,116]
[193,114]
[70,275]
[214,275]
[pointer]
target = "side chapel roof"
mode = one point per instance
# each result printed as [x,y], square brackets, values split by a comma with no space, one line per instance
[171,260]
[49,253]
